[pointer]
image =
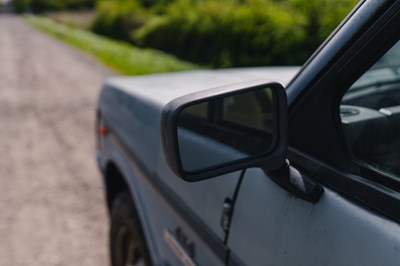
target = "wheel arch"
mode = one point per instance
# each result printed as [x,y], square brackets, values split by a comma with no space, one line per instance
[114,183]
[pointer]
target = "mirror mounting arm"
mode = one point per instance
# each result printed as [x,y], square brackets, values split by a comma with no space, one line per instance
[292,180]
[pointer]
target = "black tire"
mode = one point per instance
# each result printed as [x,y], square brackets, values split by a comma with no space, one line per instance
[127,243]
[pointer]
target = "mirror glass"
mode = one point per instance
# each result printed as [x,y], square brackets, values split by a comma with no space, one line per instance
[226,129]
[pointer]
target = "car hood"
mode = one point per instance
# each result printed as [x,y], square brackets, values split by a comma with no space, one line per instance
[162,88]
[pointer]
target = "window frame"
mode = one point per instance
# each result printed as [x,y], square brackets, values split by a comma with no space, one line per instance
[367,163]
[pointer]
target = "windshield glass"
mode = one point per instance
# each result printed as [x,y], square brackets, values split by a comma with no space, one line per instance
[383,72]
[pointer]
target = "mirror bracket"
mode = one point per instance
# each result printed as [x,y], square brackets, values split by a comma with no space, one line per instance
[292,180]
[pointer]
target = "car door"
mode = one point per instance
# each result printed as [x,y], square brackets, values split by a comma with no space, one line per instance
[344,135]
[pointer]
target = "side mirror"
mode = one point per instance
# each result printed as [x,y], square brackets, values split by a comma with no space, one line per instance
[222,130]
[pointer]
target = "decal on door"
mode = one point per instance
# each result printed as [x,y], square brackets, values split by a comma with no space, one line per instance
[181,246]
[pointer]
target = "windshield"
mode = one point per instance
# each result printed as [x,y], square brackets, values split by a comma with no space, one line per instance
[383,72]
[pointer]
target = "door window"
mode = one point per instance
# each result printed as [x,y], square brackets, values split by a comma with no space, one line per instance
[370,115]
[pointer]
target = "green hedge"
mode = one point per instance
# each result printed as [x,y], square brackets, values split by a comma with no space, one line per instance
[118,19]
[223,33]
[212,32]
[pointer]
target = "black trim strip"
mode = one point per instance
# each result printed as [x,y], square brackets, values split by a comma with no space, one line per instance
[201,229]
[374,195]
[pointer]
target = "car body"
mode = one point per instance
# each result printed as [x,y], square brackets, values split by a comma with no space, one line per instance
[339,202]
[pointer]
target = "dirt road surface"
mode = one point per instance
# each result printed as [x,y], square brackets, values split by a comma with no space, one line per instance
[52,209]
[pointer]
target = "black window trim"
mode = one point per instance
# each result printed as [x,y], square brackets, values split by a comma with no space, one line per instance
[377,197]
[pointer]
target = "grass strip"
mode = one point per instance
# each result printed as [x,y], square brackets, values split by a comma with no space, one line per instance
[120,56]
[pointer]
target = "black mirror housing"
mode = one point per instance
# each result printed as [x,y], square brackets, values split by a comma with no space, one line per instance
[226,129]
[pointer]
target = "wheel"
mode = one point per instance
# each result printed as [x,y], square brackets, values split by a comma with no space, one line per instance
[127,243]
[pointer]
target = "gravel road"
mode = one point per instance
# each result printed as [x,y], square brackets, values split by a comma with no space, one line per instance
[52,209]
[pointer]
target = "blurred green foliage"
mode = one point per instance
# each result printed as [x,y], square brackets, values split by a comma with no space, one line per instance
[118,55]
[39,6]
[224,33]
[212,32]
[218,33]
[118,19]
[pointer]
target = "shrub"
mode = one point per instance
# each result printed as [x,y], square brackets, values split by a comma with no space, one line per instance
[224,33]
[118,19]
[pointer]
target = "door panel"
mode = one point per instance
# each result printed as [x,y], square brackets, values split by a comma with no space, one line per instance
[179,234]
[272,227]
